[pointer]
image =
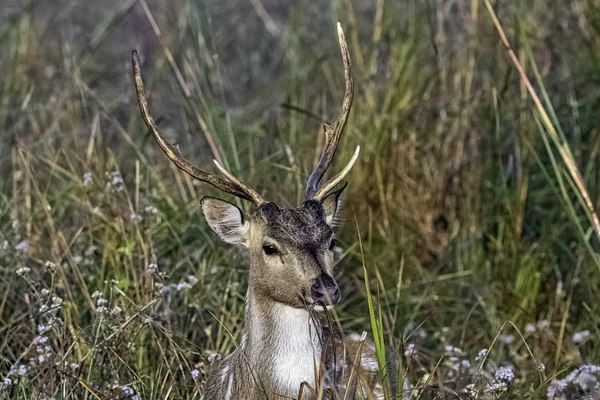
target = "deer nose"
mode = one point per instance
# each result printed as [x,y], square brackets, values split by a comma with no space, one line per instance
[325,290]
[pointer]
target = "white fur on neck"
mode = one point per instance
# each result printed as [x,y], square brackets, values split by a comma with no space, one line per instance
[297,349]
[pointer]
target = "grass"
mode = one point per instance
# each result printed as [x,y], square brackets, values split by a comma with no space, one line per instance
[469,242]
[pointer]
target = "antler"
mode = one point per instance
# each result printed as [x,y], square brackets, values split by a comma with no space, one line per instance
[333,133]
[230,185]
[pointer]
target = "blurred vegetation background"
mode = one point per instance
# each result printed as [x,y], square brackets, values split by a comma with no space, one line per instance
[463,199]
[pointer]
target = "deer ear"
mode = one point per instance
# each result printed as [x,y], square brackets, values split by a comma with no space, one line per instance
[332,204]
[225,219]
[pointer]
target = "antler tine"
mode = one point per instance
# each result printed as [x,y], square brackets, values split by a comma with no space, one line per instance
[320,195]
[231,186]
[334,131]
[254,196]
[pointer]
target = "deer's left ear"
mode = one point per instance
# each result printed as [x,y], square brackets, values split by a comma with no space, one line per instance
[332,204]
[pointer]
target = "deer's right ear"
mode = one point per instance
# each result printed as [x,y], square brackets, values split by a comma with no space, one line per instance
[332,204]
[225,219]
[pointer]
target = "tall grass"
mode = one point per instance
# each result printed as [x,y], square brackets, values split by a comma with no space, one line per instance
[470,240]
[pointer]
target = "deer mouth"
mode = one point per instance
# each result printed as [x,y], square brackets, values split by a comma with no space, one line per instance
[321,308]
[314,306]
[311,305]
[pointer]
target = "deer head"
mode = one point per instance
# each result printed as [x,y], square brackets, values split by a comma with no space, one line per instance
[291,249]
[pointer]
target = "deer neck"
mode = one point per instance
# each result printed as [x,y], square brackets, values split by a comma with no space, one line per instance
[281,342]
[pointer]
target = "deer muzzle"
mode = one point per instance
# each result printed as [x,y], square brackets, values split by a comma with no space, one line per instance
[325,290]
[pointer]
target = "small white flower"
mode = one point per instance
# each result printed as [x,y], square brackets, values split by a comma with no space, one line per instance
[116,310]
[580,337]
[90,250]
[115,181]
[101,309]
[22,370]
[40,339]
[195,373]
[151,210]
[192,279]
[183,285]
[96,294]
[152,268]
[507,339]
[42,328]
[74,366]
[410,350]
[505,374]
[530,328]
[167,288]
[101,302]
[22,246]
[128,391]
[23,271]
[482,353]
[45,292]
[543,325]
[551,392]
[87,179]
[452,350]
[495,387]
[541,367]
[470,391]
[50,266]
[135,217]
[96,211]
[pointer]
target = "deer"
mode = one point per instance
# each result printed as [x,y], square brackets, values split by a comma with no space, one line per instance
[286,351]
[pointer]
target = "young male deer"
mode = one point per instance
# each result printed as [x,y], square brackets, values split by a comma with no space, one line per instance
[285,351]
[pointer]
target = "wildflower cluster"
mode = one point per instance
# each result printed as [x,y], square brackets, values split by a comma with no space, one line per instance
[580,383]
[87,179]
[102,305]
[581,337]
[485,379]
[115,181]
[48,325]
[182,285]
[129,393]
[148,211]
[474,376]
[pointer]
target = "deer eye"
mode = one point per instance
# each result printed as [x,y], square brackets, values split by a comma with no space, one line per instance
[332,244]
[270,250]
